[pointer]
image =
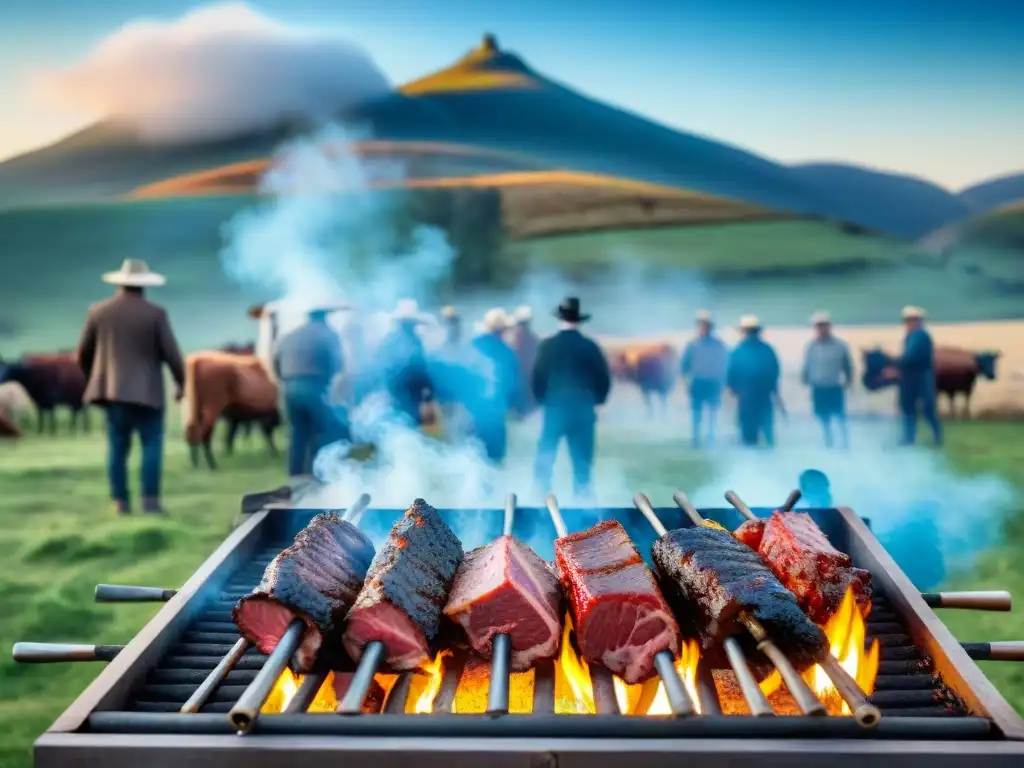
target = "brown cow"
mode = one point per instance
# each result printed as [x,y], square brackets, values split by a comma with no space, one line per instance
[652,367]
[8,429]
[956,371]
[52,381]
[235,387]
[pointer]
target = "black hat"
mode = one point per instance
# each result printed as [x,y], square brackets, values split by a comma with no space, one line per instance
[569,311]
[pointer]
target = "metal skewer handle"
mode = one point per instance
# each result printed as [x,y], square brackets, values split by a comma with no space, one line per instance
[47,653]
[126,593]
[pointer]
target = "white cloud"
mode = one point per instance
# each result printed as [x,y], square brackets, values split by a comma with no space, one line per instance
[216,72]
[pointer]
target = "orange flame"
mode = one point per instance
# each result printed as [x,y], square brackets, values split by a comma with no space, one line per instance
[686,666]
[846,632]
[287,686]
[425,686]
[574,693]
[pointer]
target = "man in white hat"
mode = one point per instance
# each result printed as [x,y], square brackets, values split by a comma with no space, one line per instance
[524,343]
[828,371]
[400,366]
[704,363]
[125,344]
[307,360]
[753,377]
[917,377]
[501,389]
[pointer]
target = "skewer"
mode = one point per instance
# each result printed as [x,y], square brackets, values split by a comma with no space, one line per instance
[600,678]
[867,714]
[798,688]
[352,702]
[216,677]
[45,653]
[355,513]
[756,700]
[245,711]
[501,645]
[124,593]
[996,600]
[1006,650]
[308,689]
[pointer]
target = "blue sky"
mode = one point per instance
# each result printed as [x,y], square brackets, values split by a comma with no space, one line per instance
[934,88]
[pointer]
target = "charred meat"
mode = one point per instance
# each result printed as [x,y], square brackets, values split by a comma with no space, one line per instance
[621,618]
[406,588]
[505,588]
[316,580]
[805,561]
[713,578]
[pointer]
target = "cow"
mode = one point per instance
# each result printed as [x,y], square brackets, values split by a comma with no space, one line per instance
[652,367]
[238,420]
[956,370]
[15,402]
[224,385]
[52,381]
[9,430]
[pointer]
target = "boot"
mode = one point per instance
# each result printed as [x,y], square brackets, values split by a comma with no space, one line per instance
[121,507]
[151,506]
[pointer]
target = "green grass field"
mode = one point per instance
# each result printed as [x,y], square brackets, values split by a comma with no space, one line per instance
[60,538]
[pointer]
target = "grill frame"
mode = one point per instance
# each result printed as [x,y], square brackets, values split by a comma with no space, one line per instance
[69,740]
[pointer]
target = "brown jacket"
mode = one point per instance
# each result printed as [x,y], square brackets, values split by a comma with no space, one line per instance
[125,344]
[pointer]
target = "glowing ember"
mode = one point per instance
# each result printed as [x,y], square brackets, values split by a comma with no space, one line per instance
[474,685]
[846,633]
[426,685]
[287,686]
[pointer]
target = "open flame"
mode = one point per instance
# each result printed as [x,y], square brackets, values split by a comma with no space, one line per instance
[847,633]
[686,666]
[287,686]
[425,686]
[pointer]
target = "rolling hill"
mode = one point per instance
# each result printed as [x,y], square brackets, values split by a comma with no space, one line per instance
[995,193]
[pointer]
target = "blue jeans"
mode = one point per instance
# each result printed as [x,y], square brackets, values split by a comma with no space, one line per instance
[124,419]
[920,399]
[578,431]
[756,419]
[311,422]
[704,393]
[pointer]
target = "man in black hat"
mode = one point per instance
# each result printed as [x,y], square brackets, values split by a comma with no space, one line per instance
[570,379]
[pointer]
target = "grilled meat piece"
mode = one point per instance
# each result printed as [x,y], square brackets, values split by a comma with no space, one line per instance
[405,589]
[750,533]
[505,588]
[712,578]
[621,618]
[316,579]
[804,560]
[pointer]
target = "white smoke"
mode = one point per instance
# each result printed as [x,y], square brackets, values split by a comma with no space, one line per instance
[216,72]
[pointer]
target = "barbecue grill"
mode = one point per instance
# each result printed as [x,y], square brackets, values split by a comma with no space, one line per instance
[165,698]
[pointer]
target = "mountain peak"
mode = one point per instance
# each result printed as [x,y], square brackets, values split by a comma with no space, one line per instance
[486,67]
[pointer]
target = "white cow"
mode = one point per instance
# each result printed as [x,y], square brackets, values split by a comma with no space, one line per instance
[15,402]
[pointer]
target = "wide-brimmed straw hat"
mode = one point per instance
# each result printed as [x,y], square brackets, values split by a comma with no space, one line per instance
[749,323]
[912,313]
[134,273]
[569,311]
[702,316]
[523,314]
[408,311]
[821,318]
[495,320]
[449,313]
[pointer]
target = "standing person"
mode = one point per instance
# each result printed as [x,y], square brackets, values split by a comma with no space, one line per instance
[917,377]
[704,363]
[400,365]
[524,342]
[502,386]
[570,379]
[753,377]
[306,362]
[451,377]
[828,371]
[125,344]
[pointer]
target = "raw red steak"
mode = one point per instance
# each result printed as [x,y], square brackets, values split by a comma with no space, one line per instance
[504,588]
[622,620]
[804,560]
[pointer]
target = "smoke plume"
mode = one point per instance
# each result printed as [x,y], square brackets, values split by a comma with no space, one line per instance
[214,73]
